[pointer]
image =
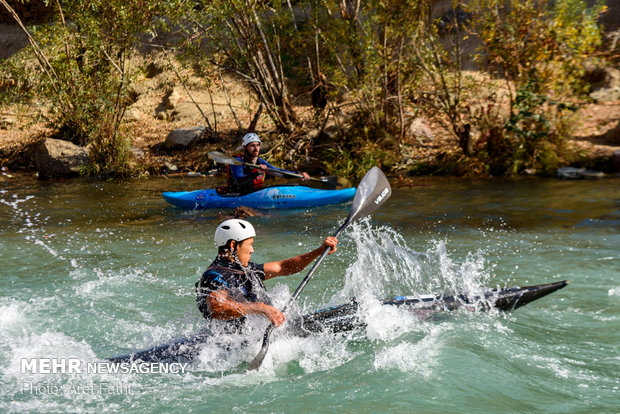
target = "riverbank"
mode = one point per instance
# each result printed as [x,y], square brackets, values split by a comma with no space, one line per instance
[168,97]
[596,140]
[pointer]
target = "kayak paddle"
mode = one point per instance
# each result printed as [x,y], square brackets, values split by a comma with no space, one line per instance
[372,192]
[330,181]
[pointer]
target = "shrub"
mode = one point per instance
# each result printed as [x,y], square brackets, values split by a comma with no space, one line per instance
[84,58]
[539,48]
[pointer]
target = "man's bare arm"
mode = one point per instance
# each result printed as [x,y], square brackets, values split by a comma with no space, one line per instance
[224,307]
[298,263]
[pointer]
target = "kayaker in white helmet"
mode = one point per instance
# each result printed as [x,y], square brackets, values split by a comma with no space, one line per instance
[232,286]
[244,179]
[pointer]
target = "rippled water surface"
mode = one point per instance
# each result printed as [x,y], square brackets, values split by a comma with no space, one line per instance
[92,270]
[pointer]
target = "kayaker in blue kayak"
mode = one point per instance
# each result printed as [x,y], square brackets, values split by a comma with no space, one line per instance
[232,286]
[243,179]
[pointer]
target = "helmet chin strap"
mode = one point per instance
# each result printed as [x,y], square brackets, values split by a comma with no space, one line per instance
[235,258]
[232,254]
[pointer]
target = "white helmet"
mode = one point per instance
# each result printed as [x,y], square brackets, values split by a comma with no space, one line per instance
[233,229]
[249,138]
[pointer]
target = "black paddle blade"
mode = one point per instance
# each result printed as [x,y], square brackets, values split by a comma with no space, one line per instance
[372,192]
[223,158]
[258,359]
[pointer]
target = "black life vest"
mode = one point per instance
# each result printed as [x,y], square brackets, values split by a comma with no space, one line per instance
[241,286]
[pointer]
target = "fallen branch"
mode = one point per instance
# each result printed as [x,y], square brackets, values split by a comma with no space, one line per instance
[43,61]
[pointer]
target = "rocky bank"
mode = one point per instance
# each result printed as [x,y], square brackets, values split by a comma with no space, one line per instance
[168,134]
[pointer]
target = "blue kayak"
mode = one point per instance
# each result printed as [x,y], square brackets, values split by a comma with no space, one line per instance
[280,196]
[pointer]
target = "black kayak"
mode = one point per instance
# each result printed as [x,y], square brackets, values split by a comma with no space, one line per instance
[345,318]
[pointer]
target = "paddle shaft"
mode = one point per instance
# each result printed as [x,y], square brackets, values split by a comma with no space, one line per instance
[258,360]
[226,159]
[372,192]
[304,282]
[292,174]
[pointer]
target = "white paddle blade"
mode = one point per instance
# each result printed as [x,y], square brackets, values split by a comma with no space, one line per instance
[372,192]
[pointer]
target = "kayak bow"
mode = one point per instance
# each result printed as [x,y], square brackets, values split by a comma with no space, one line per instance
[345,317]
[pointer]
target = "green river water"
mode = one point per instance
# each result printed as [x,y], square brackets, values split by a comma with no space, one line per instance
[92,270]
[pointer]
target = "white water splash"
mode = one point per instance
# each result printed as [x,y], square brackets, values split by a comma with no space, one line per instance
[13,318]
[327,354]
[31,224]
[16,201]
[387,322]
[387,266]
[44,345]
[418,357]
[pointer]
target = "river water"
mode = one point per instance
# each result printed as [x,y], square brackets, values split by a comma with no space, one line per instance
[93,270]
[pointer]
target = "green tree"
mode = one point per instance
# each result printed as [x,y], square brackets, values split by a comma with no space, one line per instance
[369,57]
[539,48]
[247,37]
[85,57]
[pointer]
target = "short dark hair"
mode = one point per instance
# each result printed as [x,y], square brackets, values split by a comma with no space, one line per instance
[225,248]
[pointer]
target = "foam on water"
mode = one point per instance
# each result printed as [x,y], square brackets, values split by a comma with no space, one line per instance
[95,288]
[384,266]
[12,317]
[25,338]
[417,357]
[324,355]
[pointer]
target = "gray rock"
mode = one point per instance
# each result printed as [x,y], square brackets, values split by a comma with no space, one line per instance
[572,173]
[7,122]
[184,137]
[132,114]
[606,94]
[59,158]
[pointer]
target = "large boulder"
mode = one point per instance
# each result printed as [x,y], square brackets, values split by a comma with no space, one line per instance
[604,82]
[184,137]
[420,129]
[59,158]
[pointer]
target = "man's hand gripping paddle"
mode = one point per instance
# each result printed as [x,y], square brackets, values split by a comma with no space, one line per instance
[372,192]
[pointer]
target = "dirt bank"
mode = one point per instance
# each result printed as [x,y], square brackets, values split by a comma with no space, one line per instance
[163,103]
